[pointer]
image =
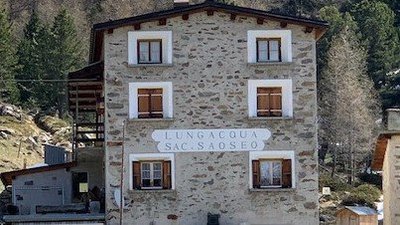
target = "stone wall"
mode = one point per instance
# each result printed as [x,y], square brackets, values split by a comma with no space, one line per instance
[391,182]
[209,76]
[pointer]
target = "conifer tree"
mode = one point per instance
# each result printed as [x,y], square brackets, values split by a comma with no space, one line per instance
[380,37]
[65,56]
[30,53]
[8,62]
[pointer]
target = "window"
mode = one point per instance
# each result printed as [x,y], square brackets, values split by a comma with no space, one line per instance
[269,101]
[269,46]
[268,49]
[78,179]
[152,171]
[149,51]
[270,98]
[150,100]
[149,47]
[272,169]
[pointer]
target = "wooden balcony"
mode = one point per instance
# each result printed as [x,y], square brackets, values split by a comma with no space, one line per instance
[86,104]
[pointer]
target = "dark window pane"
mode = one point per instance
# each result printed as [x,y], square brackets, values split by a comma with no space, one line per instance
[146,182]
[157,182]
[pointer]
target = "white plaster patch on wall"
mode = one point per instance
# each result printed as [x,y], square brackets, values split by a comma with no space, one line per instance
[166,98]
[134,36]
[152,157]
[287,154]
[284,35]
[287,95]
[206,140]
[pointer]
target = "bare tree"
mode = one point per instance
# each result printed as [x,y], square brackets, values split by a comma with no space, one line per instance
[348,104]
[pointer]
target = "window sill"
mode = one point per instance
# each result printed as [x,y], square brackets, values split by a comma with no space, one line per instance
[151,120]
[152,191]
[270,118]
[272,189]
[151,65]
[270,64]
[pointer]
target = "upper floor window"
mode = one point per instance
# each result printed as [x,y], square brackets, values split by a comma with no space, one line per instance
[149,51]
[150,103]
[264,46]
[270,98]
[269,101]
[269,50]
[149,47]
[150,100]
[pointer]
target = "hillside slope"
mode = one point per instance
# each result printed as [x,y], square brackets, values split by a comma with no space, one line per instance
[22,137]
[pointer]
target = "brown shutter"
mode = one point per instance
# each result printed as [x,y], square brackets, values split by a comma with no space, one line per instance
[167,184]
[156,103]
[136,175]
[287,173]
[275,101]
[144,103]
[256,173]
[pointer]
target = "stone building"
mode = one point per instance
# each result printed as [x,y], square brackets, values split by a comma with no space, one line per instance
[210,114]
[387,159]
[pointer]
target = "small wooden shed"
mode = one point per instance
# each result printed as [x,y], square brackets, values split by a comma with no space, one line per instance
[356,215]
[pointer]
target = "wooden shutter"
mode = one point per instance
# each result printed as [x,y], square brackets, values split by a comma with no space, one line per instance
[136,175]
[269,101]
[156,103]
[275,106]
[167,183]
[256,173]
[287,173]
[144,103]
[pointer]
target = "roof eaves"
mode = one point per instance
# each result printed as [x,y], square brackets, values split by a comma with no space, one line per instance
[208,4]
[5,175]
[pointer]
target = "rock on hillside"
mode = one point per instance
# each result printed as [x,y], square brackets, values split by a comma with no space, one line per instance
[21,138]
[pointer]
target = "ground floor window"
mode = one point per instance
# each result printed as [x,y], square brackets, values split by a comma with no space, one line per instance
[272,169]
[152,171]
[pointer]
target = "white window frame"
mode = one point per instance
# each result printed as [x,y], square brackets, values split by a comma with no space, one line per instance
[151,163]
[271,155]
[287,95]
[166,98]
[152,157]
[286,44]
[134,36]
[271,168]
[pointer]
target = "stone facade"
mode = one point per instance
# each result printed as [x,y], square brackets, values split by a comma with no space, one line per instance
[391,181]
[210,74]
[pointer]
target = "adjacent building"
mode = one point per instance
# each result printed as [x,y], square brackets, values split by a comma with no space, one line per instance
[387,159]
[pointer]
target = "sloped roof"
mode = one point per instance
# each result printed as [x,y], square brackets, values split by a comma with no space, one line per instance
[360,210]
[97,34]
[380,149]
[210,5]
[7,177]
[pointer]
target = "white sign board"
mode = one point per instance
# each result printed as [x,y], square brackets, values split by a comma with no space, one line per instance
[206,140]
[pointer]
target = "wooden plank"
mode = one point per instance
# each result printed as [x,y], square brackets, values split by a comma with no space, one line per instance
[83,107]
[97,91]
[90,132]
[81,99]
[84,83]
[89,139]
[89,124]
